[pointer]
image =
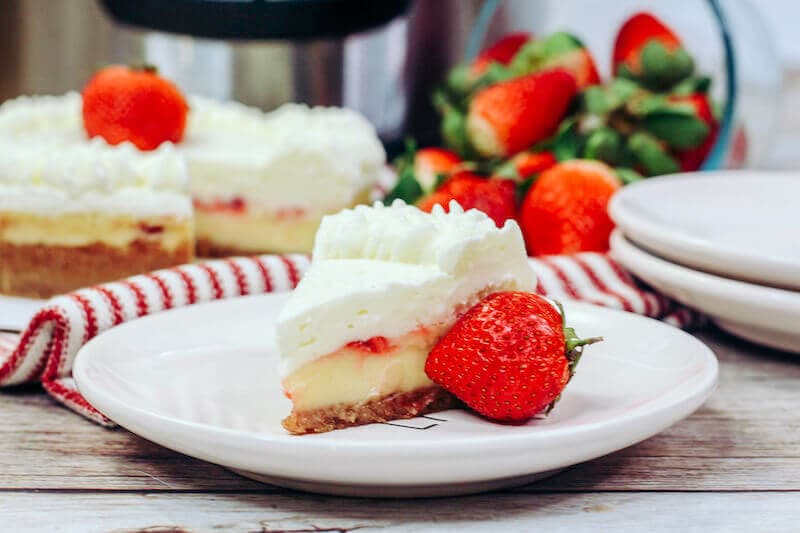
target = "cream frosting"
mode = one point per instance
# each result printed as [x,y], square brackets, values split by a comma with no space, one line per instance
[92,176]
[316,159]
[386,271]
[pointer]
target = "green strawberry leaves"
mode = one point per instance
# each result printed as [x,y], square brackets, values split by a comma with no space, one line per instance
[573,345]
[536,55]
[567,143]
[660,67]
[678,127]
[650,154]
[573,349]
[627,175]
[692,85]
[603,144]
[407,189]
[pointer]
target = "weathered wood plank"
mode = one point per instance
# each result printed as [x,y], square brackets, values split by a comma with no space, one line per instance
[745,438]
[493,512]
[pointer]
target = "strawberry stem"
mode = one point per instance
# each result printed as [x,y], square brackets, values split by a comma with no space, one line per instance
[573,345]
[144,67]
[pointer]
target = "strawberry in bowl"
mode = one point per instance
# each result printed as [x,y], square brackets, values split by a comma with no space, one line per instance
[531,131]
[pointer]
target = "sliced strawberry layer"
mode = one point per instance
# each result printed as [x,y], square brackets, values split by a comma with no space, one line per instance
[374,345]
[234,205]
[151,229]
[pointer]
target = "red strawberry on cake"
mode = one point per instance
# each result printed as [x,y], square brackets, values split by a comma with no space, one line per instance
[136,105]
[509,357]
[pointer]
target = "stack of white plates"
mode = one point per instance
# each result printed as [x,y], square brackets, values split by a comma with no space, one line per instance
[724,243]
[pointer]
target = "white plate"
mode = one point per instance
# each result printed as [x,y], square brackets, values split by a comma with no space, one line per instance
[15,313]
[201,380]
[744,225]
[765,315]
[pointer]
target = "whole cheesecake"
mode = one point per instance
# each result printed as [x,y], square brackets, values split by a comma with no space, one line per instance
[74,214]
[260,182]
[386,283]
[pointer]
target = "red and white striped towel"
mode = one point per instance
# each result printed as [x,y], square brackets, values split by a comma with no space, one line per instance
[45,351]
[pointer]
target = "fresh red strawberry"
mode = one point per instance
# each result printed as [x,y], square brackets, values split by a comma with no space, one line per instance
[580,64]
[528,163]
[121,104]
[650,53]
[495,197]
[692,158]
[509,357]
[430,163]
[634,34]
[565,210]
[510,116]
[501,51]
[559,50]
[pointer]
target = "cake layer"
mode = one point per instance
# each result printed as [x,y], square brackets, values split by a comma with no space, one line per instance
[392,407]
[42,271]
[354,375]
[88,228]
[389,271]
[223,234]
[244,230]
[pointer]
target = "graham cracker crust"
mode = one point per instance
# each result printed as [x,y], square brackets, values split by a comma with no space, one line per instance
[393,407]
[42,271]
[206,248]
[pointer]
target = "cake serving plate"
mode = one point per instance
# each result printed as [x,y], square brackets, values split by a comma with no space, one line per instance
[202,380]
[735,224]
[761,314]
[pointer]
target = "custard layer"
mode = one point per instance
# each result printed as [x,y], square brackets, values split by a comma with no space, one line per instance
[352,375]
[222,232]
[86,229]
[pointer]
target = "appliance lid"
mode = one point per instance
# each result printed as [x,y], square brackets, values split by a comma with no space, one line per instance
[256,19]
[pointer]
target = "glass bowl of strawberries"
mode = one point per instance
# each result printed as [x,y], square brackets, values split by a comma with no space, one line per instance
[560,103]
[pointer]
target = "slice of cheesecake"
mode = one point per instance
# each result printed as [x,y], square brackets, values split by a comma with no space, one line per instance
[90,213]
[385,284]
[261,182]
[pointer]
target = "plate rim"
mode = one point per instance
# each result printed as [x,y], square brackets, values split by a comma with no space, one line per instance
[685,248]
[705,280]
[696,396]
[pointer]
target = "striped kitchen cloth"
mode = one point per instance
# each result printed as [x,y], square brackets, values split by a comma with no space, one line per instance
[45,351]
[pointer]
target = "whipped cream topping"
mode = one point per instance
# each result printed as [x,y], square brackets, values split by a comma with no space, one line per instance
[387,271]
[315,159]
[92,176]
[51,120]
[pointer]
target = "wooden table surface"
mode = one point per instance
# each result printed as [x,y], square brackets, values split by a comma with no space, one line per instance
[734,465]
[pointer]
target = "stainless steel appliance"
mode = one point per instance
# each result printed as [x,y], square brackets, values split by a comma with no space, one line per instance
[382,58]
